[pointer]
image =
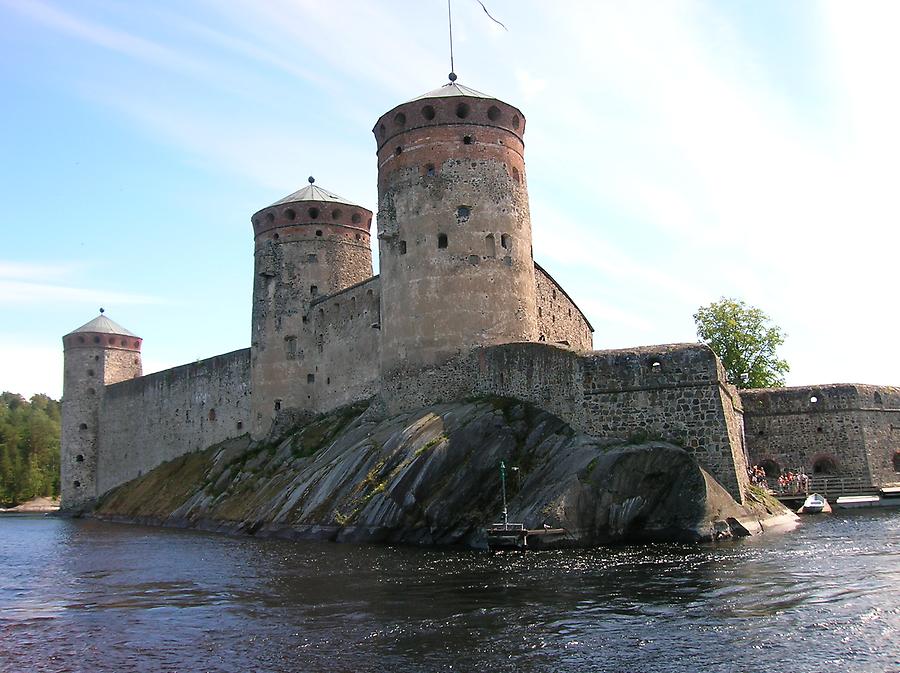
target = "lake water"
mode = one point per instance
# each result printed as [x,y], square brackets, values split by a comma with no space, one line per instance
[90,596]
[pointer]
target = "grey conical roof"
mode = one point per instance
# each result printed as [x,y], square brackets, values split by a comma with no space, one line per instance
[103,325]
[314,193]
[453,89]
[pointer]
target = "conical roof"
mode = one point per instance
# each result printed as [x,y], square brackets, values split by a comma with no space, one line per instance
[313,192]
[453,89]
[103,325]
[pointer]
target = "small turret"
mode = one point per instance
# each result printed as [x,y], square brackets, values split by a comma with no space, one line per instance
[95,355]
[308,245]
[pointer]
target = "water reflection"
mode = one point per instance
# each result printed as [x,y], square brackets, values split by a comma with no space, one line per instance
[82,595]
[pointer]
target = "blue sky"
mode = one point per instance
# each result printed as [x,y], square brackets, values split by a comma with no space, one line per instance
[677,151]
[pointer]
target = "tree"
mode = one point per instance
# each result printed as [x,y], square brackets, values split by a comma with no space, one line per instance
[745,340]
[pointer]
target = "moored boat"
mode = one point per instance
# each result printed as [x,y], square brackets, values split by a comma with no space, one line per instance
[815,504]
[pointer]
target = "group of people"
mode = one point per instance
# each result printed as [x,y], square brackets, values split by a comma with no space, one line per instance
[787,482]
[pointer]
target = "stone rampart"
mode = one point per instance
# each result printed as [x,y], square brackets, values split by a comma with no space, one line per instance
[560,321]
[148,420]
[344,367]
[847,430]
[673,392]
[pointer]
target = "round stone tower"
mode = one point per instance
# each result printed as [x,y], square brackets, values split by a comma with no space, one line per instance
[454,228]
[95,355]
[308,245]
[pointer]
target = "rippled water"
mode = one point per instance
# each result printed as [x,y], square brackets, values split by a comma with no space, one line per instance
[89,596]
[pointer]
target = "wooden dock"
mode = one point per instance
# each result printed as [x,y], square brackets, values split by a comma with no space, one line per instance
[516,536]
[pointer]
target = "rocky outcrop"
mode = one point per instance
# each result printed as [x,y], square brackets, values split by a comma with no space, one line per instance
[432,477]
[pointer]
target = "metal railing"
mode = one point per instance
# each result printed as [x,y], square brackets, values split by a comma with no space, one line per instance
[827,485]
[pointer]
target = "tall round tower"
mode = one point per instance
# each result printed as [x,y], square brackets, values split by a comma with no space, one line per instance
[308,245]
[95,355]
[453,226]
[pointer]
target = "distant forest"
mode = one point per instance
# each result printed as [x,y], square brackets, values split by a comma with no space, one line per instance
[29,448]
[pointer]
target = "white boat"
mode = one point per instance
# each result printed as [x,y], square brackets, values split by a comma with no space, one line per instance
[815,504]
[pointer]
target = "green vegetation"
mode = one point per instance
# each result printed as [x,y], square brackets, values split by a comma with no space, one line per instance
[745,340]
[29,448]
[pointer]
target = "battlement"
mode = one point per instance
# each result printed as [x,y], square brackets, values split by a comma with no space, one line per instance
[450,105]
[102,340]
[312,219]
[820,398]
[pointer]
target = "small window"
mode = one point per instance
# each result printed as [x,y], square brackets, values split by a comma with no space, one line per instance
[76,484]
[81,340]
[96,339]
[490,247]
[398,151]
[137,344]
[402,247]
[318,232]
[399,119]
[277,405]
[474,259]
[493,113]
[112,341]
[82,426]
[515,121]
[505,241]
[314,290]
[897,461]
[310,378]
[462,110]
[313,213]
[290,214]
[90,372]
[463,213]
[240,425]
[429,170]
[336,214]
[123,342]
[211,415]
[428,112]
[359,237]
[442,240]
[467,140]
[270,217]
[356,219]
[516,176]
[312,257]
[91,391]
[79,458]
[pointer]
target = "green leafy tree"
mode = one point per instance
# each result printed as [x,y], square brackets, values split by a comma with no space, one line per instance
[29,447]
[745,340]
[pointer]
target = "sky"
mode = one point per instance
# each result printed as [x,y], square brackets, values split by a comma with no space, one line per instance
[677,151]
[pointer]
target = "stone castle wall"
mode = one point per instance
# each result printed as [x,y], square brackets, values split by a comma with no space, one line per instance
[673,392]
[148,420]
[847,430]
[560,321]
[343,367]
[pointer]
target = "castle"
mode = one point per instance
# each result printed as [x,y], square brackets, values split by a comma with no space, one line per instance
[460,308]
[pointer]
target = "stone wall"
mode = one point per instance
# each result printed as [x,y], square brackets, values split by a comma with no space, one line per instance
[148,420]
[847,430]
[560,321]
[343,367]
[672,392]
